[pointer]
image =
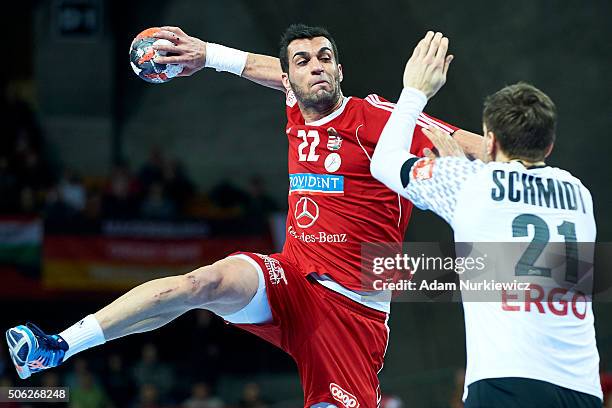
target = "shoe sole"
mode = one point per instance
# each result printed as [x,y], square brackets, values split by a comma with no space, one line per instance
[23,371]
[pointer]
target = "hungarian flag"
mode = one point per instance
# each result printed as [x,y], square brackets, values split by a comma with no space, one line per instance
[21,242]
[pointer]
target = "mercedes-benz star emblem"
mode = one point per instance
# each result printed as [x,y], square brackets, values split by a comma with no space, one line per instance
[306,212]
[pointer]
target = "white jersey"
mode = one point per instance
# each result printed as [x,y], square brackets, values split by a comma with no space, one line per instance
[554,340]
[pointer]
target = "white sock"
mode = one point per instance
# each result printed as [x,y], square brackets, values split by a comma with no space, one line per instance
[84,334]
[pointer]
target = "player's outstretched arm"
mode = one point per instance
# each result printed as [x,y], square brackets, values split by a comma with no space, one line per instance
[196,54]
[424,75]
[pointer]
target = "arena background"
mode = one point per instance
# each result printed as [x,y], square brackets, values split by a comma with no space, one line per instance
[88,149]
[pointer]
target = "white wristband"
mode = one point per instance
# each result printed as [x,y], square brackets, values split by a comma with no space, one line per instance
[224,58]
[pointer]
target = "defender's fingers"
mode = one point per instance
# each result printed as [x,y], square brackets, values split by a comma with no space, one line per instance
[447,63]
[432,133]
[458,148]
[427,152]
[441,52]
[417,50]
[423,45]
[434,44]
[434,139]
[437,137]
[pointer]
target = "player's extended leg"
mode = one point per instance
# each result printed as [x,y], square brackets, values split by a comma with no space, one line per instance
[224,288]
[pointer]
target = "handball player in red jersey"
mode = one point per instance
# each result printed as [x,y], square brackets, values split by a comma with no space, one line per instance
[308,300]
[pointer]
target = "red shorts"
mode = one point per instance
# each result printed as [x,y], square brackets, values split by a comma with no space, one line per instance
[338,344]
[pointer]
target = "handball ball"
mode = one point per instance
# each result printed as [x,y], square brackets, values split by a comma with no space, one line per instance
[142,55]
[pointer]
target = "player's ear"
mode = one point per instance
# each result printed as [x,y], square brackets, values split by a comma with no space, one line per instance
[549,150]
[491,144]
[285,81]
[340,74]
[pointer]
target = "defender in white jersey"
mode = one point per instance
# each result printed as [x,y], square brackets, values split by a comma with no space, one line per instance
[531,354]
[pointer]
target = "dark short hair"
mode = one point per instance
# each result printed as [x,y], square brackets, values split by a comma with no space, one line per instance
[298,32]
[523,119]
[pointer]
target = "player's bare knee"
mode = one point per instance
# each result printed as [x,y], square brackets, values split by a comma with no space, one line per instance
[222,285]
[201,286]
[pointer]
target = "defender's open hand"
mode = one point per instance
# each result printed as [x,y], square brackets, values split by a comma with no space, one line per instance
[443,142]
[427,67]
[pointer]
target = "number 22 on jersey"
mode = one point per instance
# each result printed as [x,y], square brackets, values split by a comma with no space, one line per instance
[311,139]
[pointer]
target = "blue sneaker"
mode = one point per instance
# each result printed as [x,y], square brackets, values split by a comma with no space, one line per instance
[32,350]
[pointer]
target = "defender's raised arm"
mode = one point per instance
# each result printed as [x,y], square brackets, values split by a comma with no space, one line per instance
[424,75]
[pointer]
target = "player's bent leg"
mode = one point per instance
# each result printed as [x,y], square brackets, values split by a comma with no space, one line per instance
[257,310]
[338,344]
[224,287]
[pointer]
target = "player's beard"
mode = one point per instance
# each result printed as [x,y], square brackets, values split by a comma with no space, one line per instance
[321,100]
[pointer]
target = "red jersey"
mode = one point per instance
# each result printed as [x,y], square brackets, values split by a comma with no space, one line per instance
[335,204]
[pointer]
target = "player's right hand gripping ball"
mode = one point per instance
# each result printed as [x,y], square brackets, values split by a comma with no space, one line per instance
[142,55]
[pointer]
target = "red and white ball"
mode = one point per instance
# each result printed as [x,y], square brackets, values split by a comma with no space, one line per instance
[142,57]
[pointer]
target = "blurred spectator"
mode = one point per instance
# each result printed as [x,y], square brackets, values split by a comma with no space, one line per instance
[31,170]
[118,384]
[19,117]
[178,186]
[56,211]
[228,200]
[79,367]
[4,365]
[150,371]
[88,394]
[7,382]
[156,205]
[24,170]
[391,401]
[92,213]
[8,188]
[148,397]
[28,202]
[227,209]
[120,195]
[251,397]
[201,398]
[259,206]
[51,379]
[152,171]
[71,190]
[206,337]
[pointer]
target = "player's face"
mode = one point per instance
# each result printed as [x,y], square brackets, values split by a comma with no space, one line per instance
[314,76]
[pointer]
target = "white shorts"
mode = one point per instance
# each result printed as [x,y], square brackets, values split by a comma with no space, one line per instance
[258,310]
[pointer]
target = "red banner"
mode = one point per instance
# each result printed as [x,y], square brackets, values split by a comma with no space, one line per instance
[86,263]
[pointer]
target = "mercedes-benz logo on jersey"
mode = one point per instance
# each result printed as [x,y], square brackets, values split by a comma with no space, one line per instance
[306,212]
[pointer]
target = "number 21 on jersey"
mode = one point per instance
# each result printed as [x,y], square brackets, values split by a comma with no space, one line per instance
[311,139]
